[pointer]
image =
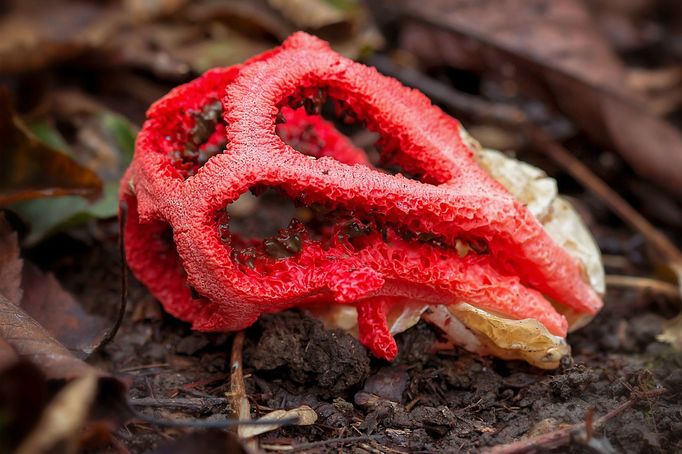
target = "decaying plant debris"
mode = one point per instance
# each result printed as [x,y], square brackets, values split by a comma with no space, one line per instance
[604,123]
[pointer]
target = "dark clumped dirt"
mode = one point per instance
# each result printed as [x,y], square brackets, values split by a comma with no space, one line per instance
[425,401]
[454,400]
[326,362]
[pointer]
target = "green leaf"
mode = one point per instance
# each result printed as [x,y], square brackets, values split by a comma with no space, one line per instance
[122,132]
[31,169]
[49,216]
[49,135]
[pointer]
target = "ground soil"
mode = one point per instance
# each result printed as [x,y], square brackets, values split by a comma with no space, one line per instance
[425,401]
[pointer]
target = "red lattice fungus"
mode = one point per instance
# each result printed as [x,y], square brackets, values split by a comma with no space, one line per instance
[359,235]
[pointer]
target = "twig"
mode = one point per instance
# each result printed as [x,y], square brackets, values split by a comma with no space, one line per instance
[654,285]
[589,424]
[109,336]
[142,367]
[190,404]
[562,437]
[317,444]
[209,380]
[615,261]
[212,424]
[237,395]
[196,404]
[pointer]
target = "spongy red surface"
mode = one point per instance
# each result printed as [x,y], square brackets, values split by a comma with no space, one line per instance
[453,200]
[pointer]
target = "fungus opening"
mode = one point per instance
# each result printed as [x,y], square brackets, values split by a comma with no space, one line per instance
[362,139]
[312,122]
[204,139]
[265,226]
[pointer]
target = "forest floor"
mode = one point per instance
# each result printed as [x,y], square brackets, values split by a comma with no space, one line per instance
[589,91]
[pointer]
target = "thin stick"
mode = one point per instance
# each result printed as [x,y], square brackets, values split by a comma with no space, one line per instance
[615,261]
[142,367]
[237,395]
[197,404]
[644,283]
[123,216]
[203,424]
[317,444]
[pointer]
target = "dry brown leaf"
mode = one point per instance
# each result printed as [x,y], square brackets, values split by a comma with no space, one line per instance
[37,33]
[32,342]
[23,396]
[61,422]
[315,13]
[31,169]
[553,44]
[253,16]
[44,299]
[149,9]
[61,314]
